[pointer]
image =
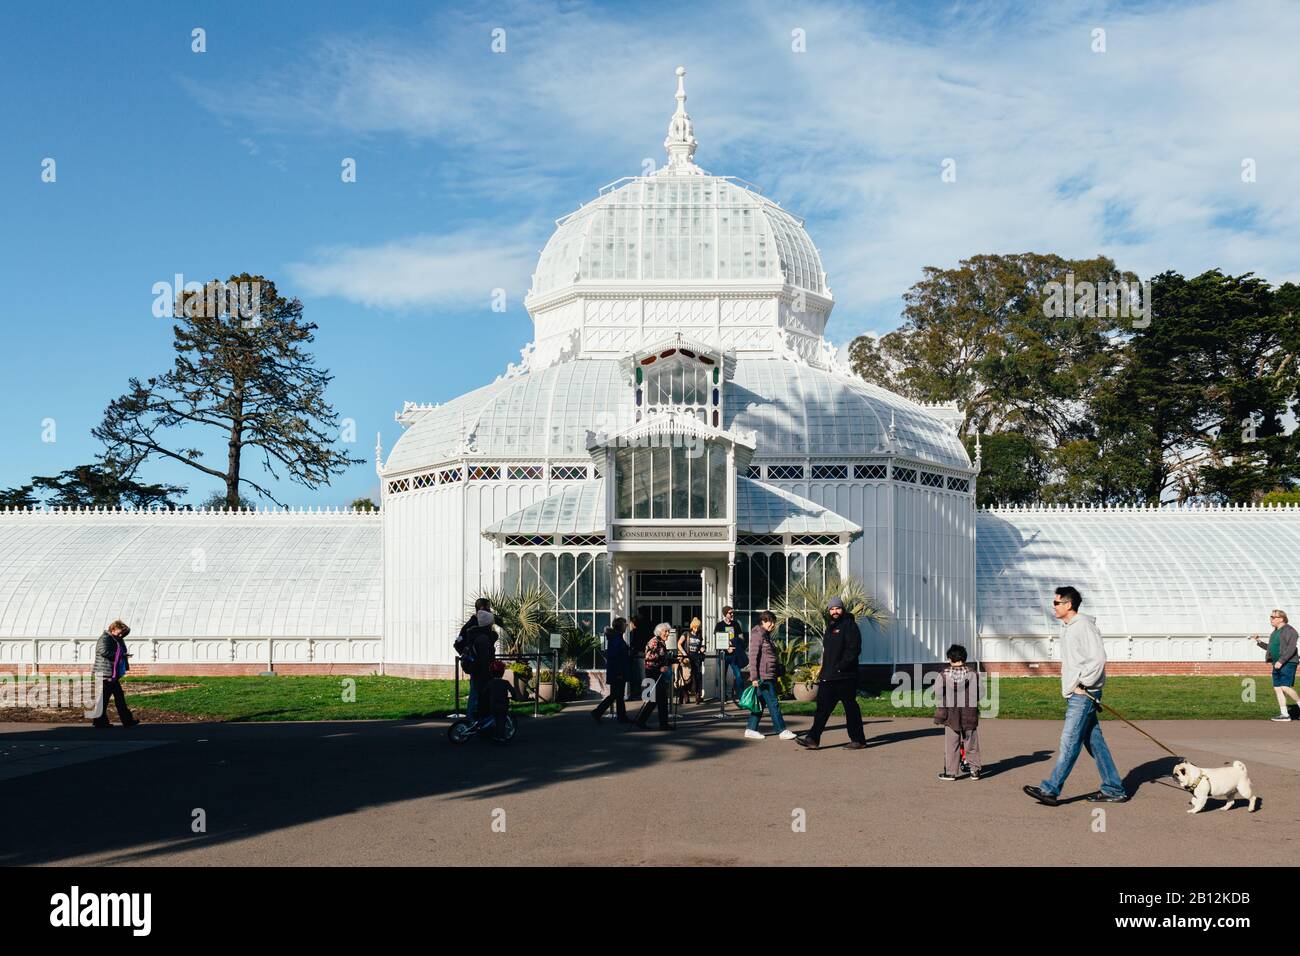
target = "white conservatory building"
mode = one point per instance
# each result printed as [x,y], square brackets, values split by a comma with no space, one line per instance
[678,436]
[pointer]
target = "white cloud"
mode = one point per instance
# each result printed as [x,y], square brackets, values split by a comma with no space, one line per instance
[456,269]
[1133,153]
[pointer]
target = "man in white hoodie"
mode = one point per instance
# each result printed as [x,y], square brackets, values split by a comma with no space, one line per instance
[1083,672]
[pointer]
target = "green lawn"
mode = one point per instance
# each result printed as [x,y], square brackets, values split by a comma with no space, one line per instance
[386,698]
[1137,698]
[307,698]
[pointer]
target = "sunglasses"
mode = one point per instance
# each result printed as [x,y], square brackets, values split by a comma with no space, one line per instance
[1058,603]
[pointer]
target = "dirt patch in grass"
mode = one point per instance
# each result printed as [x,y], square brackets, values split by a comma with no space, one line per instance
[75,715]
[144,688]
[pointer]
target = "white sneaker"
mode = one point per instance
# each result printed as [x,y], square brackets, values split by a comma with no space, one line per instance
[788,735]
[753,734]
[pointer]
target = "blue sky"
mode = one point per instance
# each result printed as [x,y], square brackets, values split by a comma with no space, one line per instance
[170,161]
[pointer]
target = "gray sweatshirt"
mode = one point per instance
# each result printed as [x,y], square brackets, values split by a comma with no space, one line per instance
[1083,655]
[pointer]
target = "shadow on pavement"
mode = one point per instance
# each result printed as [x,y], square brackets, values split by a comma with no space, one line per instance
[1153,771]
[1012,763]
[253,778]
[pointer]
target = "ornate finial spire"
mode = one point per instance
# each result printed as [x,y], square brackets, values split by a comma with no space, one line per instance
[681,134]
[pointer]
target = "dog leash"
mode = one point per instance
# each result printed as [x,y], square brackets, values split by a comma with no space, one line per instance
[1112,710]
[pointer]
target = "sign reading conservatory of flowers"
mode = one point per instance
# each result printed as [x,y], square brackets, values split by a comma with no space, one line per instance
[651,533]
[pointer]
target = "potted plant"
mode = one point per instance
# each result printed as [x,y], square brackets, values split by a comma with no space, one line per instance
[525,618]
[805,681]
[546,689]
[552,687]
[519,673]
[802,611]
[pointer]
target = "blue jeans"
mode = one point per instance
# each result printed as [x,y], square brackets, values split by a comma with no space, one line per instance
[767,694]
[1083,729]
[471,705]
[736,684]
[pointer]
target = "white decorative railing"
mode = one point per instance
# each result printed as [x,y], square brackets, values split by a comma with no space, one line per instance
[74,651]
[262,514]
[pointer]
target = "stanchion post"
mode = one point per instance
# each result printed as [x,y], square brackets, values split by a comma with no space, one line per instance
[455,709]
[537,681]
[729,636]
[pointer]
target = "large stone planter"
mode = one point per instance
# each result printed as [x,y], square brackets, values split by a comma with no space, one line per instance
[517,680]
[546,693]
[804,692]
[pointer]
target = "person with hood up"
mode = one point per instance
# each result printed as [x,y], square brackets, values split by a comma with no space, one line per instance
[480,651]
[837,683]
[464,648]
[1083,672]
[957,711]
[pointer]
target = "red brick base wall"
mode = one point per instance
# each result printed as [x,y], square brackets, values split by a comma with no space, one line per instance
[881,672]
[424,671]
[1118,668]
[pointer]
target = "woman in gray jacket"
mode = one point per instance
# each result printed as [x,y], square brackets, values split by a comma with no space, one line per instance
[1283,655]
[110,667]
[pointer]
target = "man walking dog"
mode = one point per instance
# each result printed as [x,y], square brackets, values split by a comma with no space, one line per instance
[1083,672]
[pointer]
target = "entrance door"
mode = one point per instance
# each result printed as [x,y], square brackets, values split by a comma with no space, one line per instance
[671,597]
[677,614]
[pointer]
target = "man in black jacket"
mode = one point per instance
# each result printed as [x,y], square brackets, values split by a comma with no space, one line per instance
[838,681]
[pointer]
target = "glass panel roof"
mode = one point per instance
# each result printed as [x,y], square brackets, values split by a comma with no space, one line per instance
[760,509]
[1185,571]
[172,575]
[794,409]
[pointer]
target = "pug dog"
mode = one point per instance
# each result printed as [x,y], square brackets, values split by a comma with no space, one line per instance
[1228,783]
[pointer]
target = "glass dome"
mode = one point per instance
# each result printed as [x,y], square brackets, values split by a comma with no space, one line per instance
[679,225]
[679,229]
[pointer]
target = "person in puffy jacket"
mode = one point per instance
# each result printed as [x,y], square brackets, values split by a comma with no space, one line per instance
[111,664]
[838,681]
[764,671]
[957,699]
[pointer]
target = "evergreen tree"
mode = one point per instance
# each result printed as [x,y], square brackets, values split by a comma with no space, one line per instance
[245,377]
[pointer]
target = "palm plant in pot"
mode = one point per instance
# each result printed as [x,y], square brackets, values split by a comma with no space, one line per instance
[802,612]
[527,619]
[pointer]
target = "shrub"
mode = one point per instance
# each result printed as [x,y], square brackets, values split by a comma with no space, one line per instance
[522,668]
[571,688]
[1281,498]
[807,673]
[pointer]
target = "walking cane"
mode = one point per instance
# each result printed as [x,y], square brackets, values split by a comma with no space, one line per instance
[1116,713]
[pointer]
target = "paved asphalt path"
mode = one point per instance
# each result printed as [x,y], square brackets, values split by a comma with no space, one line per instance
[570,791]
